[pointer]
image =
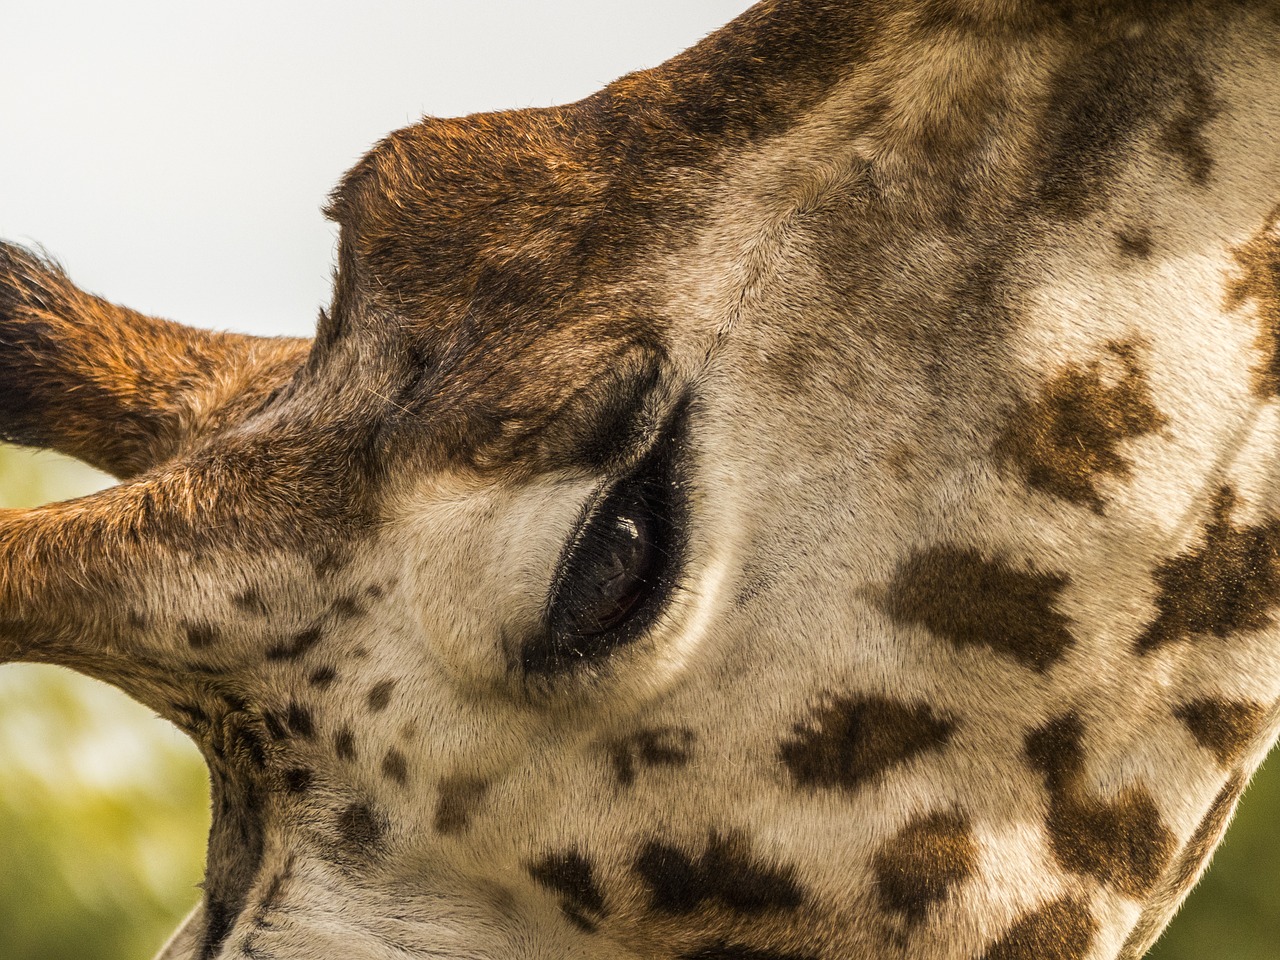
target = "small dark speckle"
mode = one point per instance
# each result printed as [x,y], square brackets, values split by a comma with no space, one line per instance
[298,780]
[361,826]
[322,678]
[296,645]
[396,767]
[250,601]
[137,620]
[380,695]
[459,796]
[373,591]
[1135,244]
[200,636]
[251,745]
[275,727]
[299,720]
[344,742]
[347,608]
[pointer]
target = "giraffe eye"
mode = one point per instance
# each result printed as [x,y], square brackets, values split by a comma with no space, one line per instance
[615,573]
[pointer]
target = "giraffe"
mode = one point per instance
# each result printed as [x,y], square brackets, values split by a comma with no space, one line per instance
[812,499]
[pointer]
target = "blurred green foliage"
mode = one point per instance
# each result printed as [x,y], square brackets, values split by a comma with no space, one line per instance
[103,813]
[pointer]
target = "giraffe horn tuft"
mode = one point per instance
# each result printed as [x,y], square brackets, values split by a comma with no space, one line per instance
[111,386]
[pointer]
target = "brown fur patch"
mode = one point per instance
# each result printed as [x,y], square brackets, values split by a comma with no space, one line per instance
[1229,583]
[459,797]
[960,596]
[725,872]
[1061,930]
[924,863]
[322,678]
[300,721]
[1183,133]
[395,766]
[656,747]
[361,826]
[344,744]
[298,780]
[1258,282]
[571,875]
[1121,841]
[297,645]
[1069,438]
[112,387]
[1178,879]
[380,695]
[852,740]
[1225,728]
[1135,244]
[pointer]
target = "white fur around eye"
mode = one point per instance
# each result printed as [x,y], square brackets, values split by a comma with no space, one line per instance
[484,560]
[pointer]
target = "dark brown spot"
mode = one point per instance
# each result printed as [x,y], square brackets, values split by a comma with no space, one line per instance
[1259,282]
[725,872]
[1222,727]
[570,875]
[1182,874]
[395,767]
[657,747]
[852,740]
[347,608]
[1120,841]
[380,695]
[923,863]
[201,635]
[296,645]
[249,744]
[298,780]
[1183,133]
[275,726]
[374,592]
[250,601]
[459,796]
[329,561]
[1135,244]
[322,678]
[137,620]
[299,720]
[1096,106]
[962,597]
[344,744]
[1069,438]
[1062,930]
[361,826]
[1230,582]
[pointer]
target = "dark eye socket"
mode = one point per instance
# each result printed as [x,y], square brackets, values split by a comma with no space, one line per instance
[611,572]
[616,571]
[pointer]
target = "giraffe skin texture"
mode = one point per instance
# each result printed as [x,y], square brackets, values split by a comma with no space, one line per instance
[814,500]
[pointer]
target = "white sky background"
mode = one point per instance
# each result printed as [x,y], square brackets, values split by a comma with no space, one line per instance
[175,155]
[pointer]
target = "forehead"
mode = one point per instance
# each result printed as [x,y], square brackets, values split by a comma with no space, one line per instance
[508,261]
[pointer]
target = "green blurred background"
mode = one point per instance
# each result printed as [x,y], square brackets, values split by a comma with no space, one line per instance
[103,813]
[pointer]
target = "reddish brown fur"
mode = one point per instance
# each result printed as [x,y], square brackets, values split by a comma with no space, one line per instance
[112,387]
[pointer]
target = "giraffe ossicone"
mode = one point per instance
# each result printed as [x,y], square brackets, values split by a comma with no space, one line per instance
[814,499]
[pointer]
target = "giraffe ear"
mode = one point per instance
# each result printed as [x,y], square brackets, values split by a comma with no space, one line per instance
[110,386]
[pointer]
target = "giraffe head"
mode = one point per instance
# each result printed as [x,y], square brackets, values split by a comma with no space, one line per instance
[812,499]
